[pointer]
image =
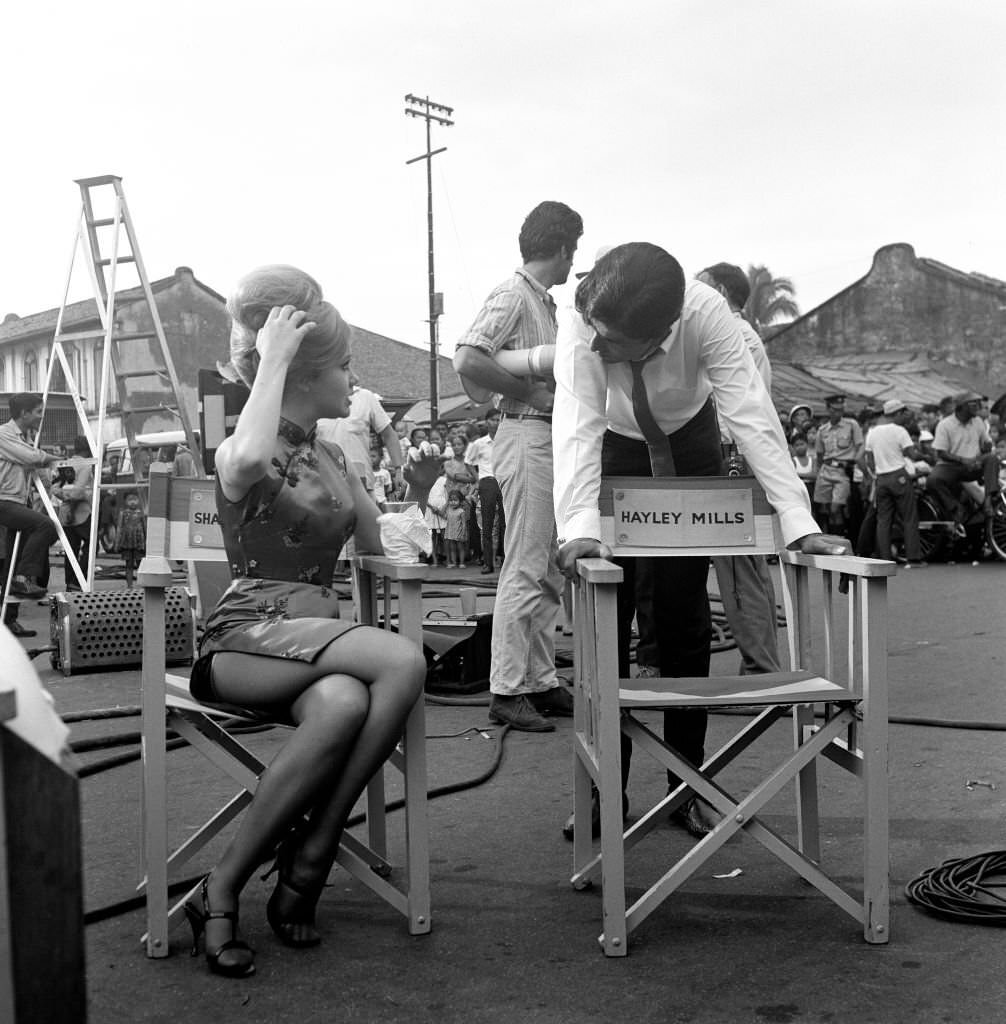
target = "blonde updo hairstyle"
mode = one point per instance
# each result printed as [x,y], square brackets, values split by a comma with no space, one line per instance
[281,285]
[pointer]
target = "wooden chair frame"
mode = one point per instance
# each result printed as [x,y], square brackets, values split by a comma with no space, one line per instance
[172,534]
[845,676]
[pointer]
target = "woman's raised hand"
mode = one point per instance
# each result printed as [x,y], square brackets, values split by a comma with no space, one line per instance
[282,333]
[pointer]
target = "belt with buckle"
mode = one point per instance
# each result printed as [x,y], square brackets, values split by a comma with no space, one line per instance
[526,416]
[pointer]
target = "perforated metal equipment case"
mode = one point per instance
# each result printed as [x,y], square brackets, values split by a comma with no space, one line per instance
[104,629]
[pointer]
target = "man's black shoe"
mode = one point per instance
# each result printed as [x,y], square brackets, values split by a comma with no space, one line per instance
[23,587]
[20,631]
[558,702]
[695,817]
[568,830]
[486,569]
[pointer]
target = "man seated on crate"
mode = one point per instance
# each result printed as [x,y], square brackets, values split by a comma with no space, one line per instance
[18,457]
[638,367]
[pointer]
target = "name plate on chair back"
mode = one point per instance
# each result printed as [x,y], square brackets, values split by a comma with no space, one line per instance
[686,515]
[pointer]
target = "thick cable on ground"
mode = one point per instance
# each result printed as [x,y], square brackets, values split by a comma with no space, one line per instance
[970,889]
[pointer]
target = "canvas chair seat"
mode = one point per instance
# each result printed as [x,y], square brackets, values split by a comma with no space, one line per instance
[835,691]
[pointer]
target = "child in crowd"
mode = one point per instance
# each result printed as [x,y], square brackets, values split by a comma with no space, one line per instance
[805,463]
[383,485]
[456,530]
[131,535]
[436,516]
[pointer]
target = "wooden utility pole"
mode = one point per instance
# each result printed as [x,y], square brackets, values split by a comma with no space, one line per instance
[424,108]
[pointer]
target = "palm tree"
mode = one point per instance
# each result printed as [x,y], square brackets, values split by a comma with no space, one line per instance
[771,298]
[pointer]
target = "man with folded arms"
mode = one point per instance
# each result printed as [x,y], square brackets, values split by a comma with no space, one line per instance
[642,347]
[520,314]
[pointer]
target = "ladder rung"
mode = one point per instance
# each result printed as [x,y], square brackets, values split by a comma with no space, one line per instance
[157,371]
[104,222]
[87,335]
[79,335]
[151,408]
[109,262]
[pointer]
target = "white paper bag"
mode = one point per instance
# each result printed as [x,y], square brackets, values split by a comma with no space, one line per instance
[404,535]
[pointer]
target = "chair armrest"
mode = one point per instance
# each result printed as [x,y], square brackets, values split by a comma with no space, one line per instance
[382,566]
[598,570]
[849,565]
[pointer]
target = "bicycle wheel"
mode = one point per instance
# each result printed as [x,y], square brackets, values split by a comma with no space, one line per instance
[995,528]
[932,538]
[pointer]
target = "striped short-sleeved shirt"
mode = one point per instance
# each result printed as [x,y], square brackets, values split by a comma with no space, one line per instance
[518,314]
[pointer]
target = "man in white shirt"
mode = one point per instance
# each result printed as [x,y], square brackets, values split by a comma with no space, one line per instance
[634,307]
[888,445]
[352,433]
[963,449]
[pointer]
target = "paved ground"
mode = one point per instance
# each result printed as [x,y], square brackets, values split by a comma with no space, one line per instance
[512,942]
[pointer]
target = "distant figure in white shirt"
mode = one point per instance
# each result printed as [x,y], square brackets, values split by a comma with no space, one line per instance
[888,445]
[352,433]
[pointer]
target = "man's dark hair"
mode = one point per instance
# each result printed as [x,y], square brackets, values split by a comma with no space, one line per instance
[80,445]
[733,280]
[548,228]
[930,407]
[22,402]
[637,288]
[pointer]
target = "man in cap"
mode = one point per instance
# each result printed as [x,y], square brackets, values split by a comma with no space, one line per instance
[964,453]
[839,445]
[888,446]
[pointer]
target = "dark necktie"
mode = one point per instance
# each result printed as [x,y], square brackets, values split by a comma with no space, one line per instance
[661,459]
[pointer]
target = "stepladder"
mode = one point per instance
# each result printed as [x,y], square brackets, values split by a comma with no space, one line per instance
[137,372]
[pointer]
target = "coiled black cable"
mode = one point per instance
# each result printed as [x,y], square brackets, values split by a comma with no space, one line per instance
[964,889]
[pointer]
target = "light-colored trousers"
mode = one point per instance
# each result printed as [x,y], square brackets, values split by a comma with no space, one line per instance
[530,584]
[749,605]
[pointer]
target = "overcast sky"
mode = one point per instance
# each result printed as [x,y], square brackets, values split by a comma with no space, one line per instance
[802,135]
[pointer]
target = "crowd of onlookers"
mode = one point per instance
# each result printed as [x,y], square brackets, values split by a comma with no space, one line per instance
[832,456]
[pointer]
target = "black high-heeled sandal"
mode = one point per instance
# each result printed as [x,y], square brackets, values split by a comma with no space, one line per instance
[305,897]
[197,919]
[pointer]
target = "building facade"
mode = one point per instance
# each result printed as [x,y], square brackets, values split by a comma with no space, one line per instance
[906,304]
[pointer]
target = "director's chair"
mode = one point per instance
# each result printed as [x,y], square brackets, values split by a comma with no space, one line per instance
[181,525]
[837,669]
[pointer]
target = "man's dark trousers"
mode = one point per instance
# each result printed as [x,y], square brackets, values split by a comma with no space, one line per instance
[491,500]
[675,588]
[37,535]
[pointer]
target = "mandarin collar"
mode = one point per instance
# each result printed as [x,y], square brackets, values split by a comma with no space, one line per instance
[295,434]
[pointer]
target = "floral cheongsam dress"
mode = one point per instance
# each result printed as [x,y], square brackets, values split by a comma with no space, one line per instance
[282,540]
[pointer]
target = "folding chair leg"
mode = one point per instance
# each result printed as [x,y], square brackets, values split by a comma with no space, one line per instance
[874,736]
[417,832]
[808,828]
[154,815]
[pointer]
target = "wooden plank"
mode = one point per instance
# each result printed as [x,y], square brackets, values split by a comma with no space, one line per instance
[44,886]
